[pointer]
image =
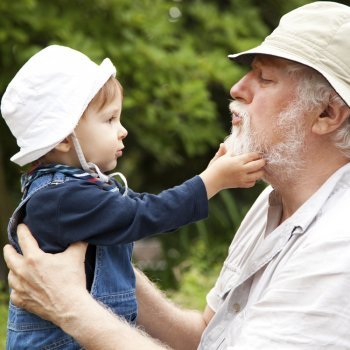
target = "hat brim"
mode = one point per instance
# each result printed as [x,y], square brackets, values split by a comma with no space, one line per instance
[246,57]
[26,156]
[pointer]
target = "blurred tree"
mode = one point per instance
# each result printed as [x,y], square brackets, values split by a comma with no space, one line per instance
[171,60]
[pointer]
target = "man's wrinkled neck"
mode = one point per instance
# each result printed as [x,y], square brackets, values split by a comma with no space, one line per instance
[295,191]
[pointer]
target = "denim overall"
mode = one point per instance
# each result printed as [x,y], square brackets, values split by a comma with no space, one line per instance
[113,285]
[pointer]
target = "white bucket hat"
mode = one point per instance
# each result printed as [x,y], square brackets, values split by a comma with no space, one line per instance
[316,35]
[45,100]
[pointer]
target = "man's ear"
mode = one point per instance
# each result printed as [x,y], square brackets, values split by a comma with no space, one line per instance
[64,146]
[330,118]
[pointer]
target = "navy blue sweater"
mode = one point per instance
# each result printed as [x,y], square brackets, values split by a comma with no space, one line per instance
[81,211]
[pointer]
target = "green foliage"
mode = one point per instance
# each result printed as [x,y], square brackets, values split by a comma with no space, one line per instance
[3,314]
[3,322]
[171,61]
[197,276]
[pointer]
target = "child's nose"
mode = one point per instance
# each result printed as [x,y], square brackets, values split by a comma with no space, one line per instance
[123,133]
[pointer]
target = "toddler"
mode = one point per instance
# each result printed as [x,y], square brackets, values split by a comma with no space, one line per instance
[64,111]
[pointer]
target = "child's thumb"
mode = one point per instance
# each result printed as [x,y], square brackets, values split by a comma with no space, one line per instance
[221,151]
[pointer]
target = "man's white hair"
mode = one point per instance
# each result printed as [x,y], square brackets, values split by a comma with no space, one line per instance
[314,91]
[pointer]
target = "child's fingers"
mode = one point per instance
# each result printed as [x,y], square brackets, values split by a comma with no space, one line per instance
[249,184]
[221,151]
[252,178]
[257,175]
[254,165]
[249,157]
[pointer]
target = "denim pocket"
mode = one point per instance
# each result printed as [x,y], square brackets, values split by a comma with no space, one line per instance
[123,304]
[28,331]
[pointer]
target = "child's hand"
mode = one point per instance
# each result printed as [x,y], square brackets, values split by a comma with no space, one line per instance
[225,171]
[221,151]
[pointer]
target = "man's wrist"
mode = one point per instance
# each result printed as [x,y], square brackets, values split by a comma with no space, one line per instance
[73,310]
[95,328]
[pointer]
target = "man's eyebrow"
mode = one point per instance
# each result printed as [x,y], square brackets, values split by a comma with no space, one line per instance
[256,63]
[274,66]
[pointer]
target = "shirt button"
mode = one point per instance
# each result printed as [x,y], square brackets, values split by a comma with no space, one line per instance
[236,307]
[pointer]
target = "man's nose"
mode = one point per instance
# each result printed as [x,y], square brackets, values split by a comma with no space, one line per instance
[242,90]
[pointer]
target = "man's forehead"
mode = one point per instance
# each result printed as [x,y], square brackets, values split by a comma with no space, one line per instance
[269,61]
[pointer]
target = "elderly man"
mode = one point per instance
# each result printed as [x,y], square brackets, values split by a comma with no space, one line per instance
[285,283]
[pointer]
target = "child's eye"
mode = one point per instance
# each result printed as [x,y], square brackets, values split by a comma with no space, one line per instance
[111,120]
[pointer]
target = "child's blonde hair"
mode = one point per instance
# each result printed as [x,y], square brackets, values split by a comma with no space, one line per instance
[108,92]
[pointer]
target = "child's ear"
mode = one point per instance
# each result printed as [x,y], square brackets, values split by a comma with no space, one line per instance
[330,118]
[64,146]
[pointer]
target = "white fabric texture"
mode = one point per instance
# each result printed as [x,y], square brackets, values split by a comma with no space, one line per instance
[287,287]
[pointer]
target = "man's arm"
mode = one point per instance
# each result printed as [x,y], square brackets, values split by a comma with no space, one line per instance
[180,329]
[95,328]
[53,286]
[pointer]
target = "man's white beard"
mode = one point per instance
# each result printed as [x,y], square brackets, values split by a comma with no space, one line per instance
[283,159]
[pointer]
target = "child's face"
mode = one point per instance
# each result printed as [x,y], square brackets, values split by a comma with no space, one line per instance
[101,134]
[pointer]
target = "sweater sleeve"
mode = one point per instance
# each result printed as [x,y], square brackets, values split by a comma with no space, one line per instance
[81,211]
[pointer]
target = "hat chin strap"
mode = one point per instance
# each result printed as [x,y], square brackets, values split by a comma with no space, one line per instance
[92,168]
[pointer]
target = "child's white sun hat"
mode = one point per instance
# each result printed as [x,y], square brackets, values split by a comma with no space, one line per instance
[43,103]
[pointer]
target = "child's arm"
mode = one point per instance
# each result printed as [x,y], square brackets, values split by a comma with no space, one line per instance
[80,211]
[225,171]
